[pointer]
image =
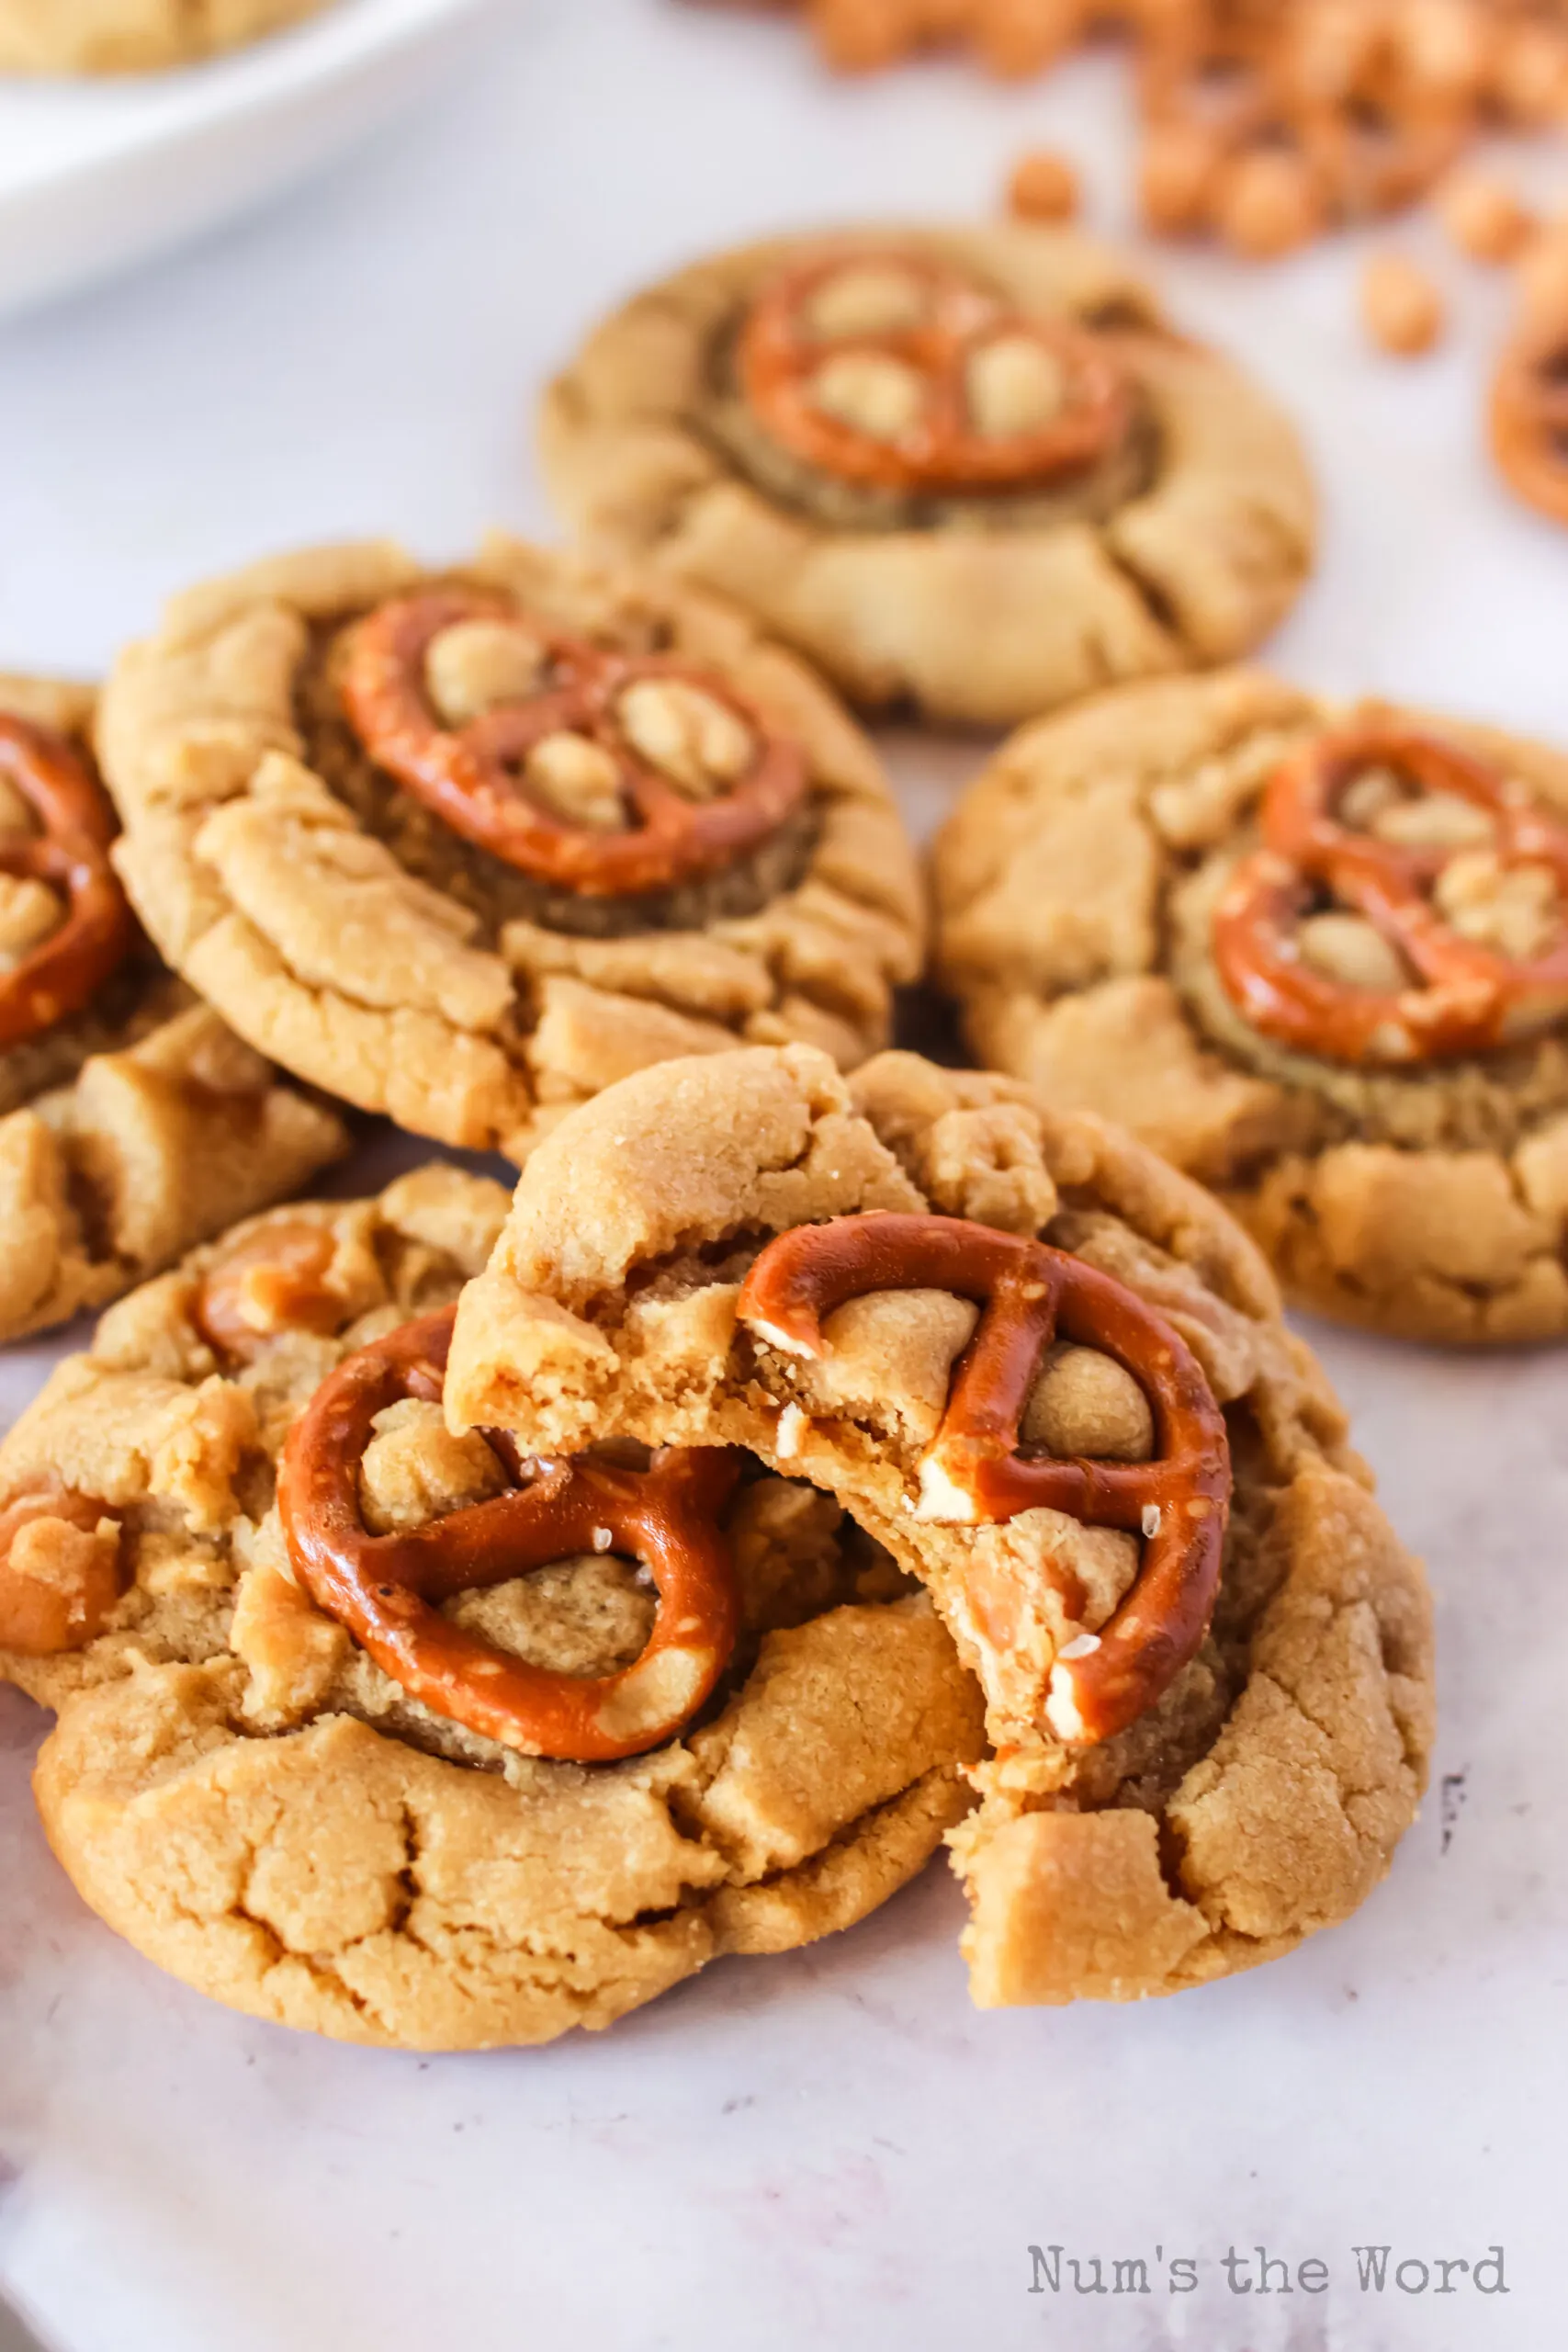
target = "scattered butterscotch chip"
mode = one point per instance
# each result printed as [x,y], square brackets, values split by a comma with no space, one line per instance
[1401,308]
[1177,178]
[1484,217]
[1266,204]
[1042,185]
[1542,279]
[1529,73]
[859,36]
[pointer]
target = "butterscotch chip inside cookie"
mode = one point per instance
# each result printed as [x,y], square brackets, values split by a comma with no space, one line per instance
[241,1790]
[907,483]
[465,848]
[1392,1131]
[1257,1792]
[133,1122]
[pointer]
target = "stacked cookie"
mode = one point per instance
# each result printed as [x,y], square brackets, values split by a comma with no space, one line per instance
[468,1617]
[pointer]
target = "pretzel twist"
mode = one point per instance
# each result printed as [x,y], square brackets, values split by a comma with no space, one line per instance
[385,1588]
[70,856]
[1470,997]
[1528,420]
[469,777]
[944,449]
[972,1471]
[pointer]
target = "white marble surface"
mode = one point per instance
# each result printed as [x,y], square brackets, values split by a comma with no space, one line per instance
[833,2147]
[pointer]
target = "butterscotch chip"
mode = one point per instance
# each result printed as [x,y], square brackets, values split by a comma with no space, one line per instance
[1266,204]
[1402,309]
[1261,1796]
[1484,218]
[821,488]
[1542,279]
[1179,171]
[1042,185]
[135,1124]
[347,926]
[1079,886]
[237,1788]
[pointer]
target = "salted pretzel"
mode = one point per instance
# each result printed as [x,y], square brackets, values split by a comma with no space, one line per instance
[472,779]
[70,856]
[1528,420]
[777,356]
[973,1470]
[385,1588]
[1467,997]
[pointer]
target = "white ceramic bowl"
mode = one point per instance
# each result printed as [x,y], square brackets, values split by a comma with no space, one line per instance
[97,174]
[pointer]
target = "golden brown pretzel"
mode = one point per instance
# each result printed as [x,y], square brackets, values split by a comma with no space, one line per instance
[385,1588]
[972,1471]
[944,449]
[1469,997]
[69,855]
[471,777]
[1528,420]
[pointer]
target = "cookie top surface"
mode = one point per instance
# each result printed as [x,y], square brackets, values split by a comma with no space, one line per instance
[236,1785]
[973,468]
[344,924]
[1127,917]
[1261,1792]
[133,1122]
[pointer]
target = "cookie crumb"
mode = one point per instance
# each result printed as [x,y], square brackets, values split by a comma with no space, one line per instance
[1484,218]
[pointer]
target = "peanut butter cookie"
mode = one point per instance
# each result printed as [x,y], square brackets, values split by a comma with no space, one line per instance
[133,36]
[1315,955]
[328,1753]
[466,847]
[1049,1375]
[132,1123]
[973,470]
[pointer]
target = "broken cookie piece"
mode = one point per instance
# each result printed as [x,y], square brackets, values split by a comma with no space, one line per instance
[1048,1376]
